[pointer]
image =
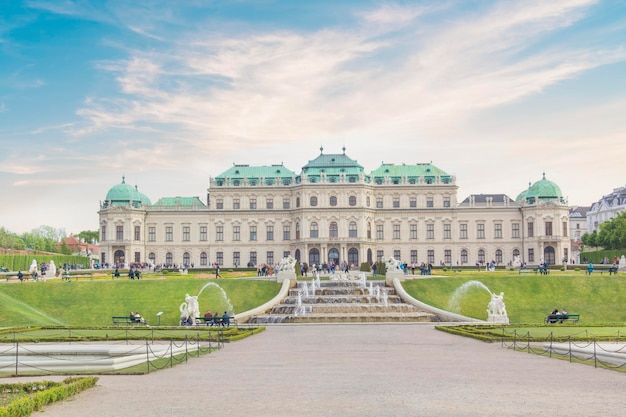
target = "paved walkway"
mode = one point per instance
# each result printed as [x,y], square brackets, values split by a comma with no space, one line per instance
[357,370]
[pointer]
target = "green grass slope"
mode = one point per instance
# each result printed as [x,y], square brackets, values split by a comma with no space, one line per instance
[528,298]
[94,302]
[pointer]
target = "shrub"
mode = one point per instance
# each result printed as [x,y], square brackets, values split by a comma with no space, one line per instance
[365,267]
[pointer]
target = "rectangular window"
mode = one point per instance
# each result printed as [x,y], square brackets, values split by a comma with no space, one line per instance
[413,256]
[186,233]
[413,202]
[219,233]
[137,232]
[380,235]
[565,255]
[447,231]
[431,256]
[548,228]
[253,258]
[515,230]
[396,254]
[219,204]
[270,232]
[463,231]
[430,231]
[119,232]
[447,256]
[236,258]
[497,231]
[396,202]
[464,257]
[379,255]
[379,203]
[286,203]
[286,232]
[446,202]
[480,231]
[219,258]
[252,232]
[286,254]
[137,257]
[269,203]
[236,204]
[396,231]
[236,233]
[531,255]
[270,257]
[413,231]
[103,233]
[531,230]
[430,202]
[169,233]
[203,233]
[253,204]
[152,234]
[564,229]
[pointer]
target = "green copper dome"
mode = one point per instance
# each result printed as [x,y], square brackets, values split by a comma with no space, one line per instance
[542,190]
[123,194]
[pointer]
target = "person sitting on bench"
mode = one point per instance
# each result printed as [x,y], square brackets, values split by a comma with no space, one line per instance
[563,316]
[552,316]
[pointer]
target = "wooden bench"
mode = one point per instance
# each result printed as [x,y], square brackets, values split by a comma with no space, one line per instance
[560,318]
[214,321]
[126,320]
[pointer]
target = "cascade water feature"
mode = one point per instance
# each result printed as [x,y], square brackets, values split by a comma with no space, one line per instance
[343,301]
[496,309]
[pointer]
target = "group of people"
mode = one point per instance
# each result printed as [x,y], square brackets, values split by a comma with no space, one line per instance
[210,319]
[556,316]
[136,317]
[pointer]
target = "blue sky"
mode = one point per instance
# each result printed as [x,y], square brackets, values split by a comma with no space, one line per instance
[169,93]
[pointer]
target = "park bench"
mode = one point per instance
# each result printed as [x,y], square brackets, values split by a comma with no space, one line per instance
[527,271]
[560,318]
[214,321]
[126,320]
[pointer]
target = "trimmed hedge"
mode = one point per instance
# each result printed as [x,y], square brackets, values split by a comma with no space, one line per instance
[21,262]
[38,394]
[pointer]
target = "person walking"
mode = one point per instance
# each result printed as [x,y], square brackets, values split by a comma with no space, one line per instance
[217,271]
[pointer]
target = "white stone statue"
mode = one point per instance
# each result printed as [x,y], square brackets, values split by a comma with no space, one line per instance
[516,262]
[52,269]
[287,264]
[496,310]
[391,263]
[190,307]
[33,266]
[622,263]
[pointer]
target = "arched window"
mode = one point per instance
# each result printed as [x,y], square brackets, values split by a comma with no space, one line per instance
[481,256]
[314,257]
[169,258]
[352,201]
[297,254]
[549,255]
[313,201]
[352,229]
[333,256]
[297,230]
[152,258]
[515,253]
[370,258]
[333,201]
[353,256]
[314,230]
[203,259]
[463,256]
[333,231]
[498,256]
[186,259]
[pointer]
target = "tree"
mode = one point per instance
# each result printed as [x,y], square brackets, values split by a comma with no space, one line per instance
[89,236]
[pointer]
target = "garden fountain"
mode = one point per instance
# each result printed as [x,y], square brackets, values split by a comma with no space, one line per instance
[496,309]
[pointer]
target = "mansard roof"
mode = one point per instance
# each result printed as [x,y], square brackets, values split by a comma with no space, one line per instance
[485,198]
[178,202]
[329,164]
[255,175]
[422,172]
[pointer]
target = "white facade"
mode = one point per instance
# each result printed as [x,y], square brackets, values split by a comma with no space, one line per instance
[333,211]
[608,207]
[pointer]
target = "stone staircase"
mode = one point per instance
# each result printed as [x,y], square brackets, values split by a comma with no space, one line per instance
[343,301]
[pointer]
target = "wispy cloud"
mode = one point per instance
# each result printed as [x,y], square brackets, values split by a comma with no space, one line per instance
[285,86]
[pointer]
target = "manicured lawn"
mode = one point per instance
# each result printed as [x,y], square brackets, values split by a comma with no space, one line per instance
[528,298]
[87,302]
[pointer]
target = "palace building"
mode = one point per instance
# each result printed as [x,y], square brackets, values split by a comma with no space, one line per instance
[333,210]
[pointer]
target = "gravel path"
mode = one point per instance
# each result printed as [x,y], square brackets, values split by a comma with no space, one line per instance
[357,370]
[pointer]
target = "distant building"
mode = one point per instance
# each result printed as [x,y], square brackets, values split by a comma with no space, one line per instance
[608,207]
[79,247]
[577,227]
[334,211]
